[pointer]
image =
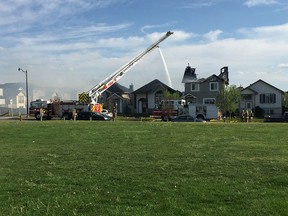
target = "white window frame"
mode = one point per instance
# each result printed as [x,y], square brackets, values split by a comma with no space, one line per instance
[210,86]
[196,85]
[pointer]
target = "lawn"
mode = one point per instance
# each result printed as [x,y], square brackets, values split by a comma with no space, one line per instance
[143,168]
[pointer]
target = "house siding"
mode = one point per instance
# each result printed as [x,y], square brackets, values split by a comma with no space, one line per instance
[265,89]
[204,91]
[21,100]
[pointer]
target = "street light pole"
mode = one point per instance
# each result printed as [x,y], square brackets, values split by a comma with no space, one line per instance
[27,96]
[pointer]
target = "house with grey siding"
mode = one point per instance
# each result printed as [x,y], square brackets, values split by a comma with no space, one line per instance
[262,95]
[203,90]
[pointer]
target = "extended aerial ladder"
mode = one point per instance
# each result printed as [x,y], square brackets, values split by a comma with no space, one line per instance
[97,90]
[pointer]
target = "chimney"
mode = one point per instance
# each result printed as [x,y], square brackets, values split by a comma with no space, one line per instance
[224,74]
[131,87]
[189,74]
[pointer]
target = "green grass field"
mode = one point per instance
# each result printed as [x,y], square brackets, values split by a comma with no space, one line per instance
[143,168]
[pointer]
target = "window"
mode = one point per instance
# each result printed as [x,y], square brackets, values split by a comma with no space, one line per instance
[248,106]
[267,98]
[20,99]
[209,100]
[195,87]
[247,97]
[38,104]
[158,98]
[213,86]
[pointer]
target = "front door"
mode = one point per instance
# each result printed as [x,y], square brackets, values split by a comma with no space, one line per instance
[140,106]
[248,106]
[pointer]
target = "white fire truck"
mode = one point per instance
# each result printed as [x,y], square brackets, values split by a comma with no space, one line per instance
[203,111]
[170,109]
[65,108]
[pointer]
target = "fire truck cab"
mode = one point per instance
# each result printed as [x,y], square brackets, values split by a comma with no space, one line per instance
[38,106]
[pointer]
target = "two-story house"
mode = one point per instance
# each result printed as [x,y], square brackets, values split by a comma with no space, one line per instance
[200,94]
[263,96]
[203,90]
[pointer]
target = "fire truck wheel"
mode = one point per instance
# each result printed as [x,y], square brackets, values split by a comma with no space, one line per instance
[165,118]
[37,116]
[67,116]
[200,117]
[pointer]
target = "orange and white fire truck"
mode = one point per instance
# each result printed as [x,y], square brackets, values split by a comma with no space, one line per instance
[64,108]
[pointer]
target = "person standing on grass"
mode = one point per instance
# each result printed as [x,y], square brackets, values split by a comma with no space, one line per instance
[242,116]
[114,113]
[251,116]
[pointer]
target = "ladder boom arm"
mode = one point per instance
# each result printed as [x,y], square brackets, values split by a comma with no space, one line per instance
[97,90]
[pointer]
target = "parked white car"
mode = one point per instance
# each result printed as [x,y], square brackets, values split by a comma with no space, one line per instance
[106,112]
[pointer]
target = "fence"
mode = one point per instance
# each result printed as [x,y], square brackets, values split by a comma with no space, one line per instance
[5,111]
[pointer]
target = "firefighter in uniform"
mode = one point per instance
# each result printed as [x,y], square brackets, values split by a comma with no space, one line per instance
[74,114]
[41,114]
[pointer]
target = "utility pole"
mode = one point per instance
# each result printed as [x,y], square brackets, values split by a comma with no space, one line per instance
[27,96]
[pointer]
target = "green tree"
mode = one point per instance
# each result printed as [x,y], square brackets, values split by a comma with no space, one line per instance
[169,96]
[228,99]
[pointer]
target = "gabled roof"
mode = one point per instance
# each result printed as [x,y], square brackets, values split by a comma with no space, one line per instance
[117,88]
[115,95]
[11,90]
[249,87]
[212,78]
[248,90]
[150,87]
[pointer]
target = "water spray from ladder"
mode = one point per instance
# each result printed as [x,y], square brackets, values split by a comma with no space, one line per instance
[166,69]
